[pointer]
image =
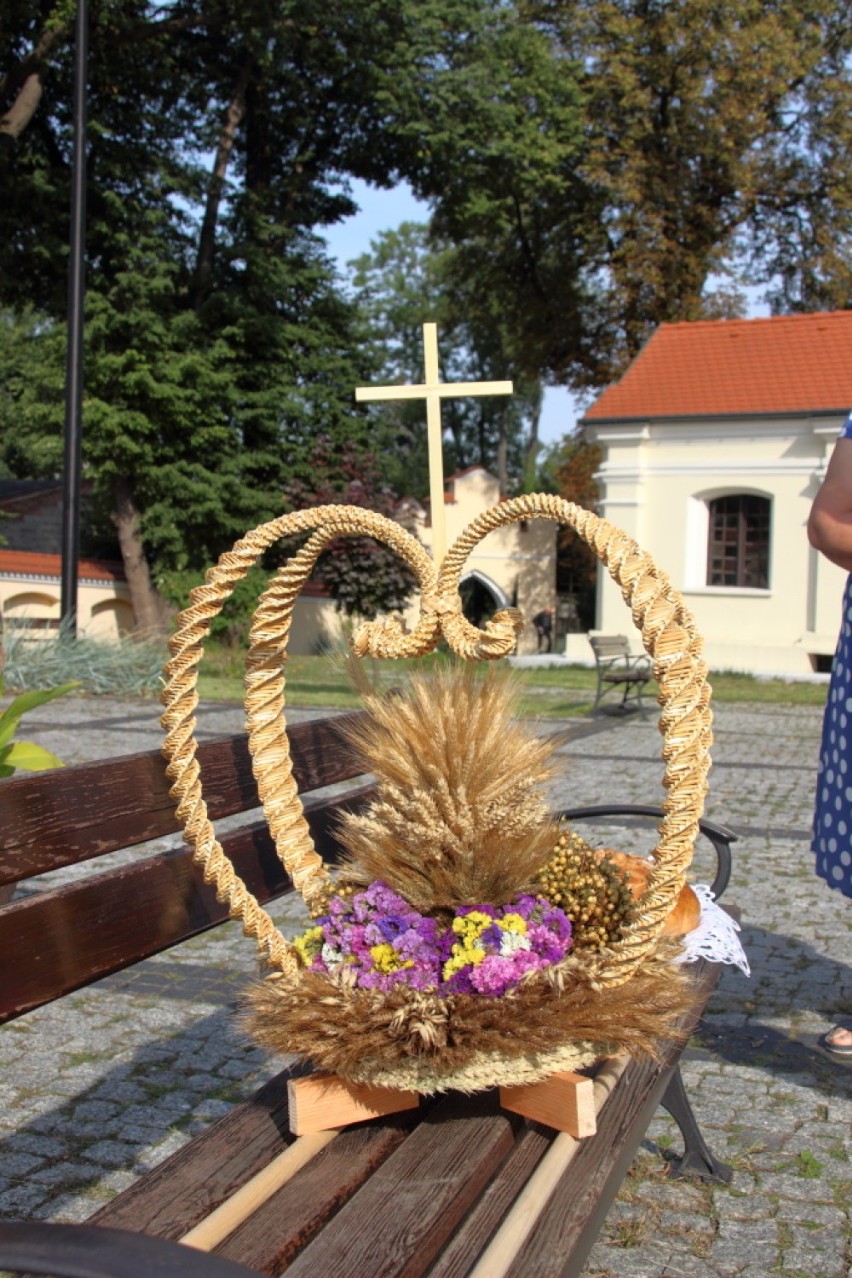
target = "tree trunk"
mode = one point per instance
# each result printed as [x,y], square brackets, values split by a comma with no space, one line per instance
[149,610]
[207,238]
[25,83]
[531,450]
[503,454]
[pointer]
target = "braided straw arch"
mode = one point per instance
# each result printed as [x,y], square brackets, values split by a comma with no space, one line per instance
[668,633]
[669,636]
[265,704]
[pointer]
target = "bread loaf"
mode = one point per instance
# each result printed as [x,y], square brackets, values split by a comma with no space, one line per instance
[686,911]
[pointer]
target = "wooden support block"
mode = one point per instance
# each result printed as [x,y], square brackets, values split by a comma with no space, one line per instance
[323,1101]
[565,1102]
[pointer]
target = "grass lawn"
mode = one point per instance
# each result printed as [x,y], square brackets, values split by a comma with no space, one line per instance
[555,692]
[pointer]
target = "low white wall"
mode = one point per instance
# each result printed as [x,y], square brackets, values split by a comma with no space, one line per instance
[103,609]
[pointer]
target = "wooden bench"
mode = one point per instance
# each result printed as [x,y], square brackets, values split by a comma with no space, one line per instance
[618,668]
[446,1189]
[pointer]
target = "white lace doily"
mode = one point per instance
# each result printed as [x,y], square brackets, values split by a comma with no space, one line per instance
[715,938]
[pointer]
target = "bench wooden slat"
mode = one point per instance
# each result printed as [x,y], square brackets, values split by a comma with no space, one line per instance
[398,1223]
[57,941]
[464,1248]
[58,818]
[308,1201]
[607,646]
[562,1237]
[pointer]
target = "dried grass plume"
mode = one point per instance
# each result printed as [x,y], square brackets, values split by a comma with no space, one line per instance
[461,815]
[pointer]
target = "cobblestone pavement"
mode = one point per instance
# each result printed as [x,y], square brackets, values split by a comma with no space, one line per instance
[106,1083]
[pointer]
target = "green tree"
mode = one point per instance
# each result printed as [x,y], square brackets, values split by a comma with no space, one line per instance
[499,164]
[32,375]
[705,140]
[651,158]
[217,340]
[573,466]
[363,576]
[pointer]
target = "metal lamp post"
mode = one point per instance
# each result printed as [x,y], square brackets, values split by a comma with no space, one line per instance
[74,356]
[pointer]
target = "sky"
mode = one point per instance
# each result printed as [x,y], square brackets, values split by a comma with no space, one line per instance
[383,211]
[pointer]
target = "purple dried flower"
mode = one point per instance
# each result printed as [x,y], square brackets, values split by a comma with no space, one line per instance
[380,939]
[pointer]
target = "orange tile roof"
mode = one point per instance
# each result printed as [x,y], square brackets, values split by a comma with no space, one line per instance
[27,563]
[786,364]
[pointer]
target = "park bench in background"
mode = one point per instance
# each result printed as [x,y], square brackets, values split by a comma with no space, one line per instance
[618,668]
[429,1191]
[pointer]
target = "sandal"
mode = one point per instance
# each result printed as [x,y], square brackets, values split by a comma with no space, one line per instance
[836,1049]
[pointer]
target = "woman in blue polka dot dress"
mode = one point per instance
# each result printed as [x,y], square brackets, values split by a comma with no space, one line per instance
[830,530]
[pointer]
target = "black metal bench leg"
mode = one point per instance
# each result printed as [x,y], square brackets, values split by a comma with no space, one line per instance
[697,1160]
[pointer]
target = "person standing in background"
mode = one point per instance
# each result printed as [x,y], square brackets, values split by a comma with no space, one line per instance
[543,622]
[830,531]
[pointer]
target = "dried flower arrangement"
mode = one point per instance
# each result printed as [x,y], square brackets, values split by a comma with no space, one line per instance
[470,940]
[446,908]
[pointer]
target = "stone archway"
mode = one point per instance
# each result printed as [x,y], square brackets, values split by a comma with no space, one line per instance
[481,597]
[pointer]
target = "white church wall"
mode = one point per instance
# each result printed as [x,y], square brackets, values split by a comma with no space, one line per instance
[656,481]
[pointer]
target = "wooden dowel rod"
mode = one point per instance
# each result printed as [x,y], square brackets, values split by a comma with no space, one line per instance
[498,1258]
[208,1233]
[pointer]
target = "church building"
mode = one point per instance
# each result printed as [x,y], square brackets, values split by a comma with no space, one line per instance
[715,442]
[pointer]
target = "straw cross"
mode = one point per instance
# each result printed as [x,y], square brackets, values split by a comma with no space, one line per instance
[433,391]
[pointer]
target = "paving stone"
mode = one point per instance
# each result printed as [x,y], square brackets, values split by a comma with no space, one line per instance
[150,1117]
[813,1264]
[32,1142]
[212,1109]
[649,1261]
[683,1222]
[95,1111]
[110,1153]
[674,1195]
[18,1164]
[749,1234]
[805,1189]
[68,1210]
[20,1200]
[826,1241]
[163,1150]
[734,1256]
[815,1213]
[116,1181]
[749,1206]
[66,1173]
[121,1090]
[757,1077]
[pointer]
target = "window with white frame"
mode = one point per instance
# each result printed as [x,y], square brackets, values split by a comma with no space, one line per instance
[738,531]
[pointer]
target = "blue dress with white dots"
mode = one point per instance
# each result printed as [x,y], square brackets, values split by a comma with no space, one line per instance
[832,841]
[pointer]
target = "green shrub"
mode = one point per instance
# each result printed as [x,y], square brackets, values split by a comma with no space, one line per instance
[231,626]
[123,667]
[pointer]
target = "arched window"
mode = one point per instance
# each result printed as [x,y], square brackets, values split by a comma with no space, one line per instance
[738,541]
[481,597]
